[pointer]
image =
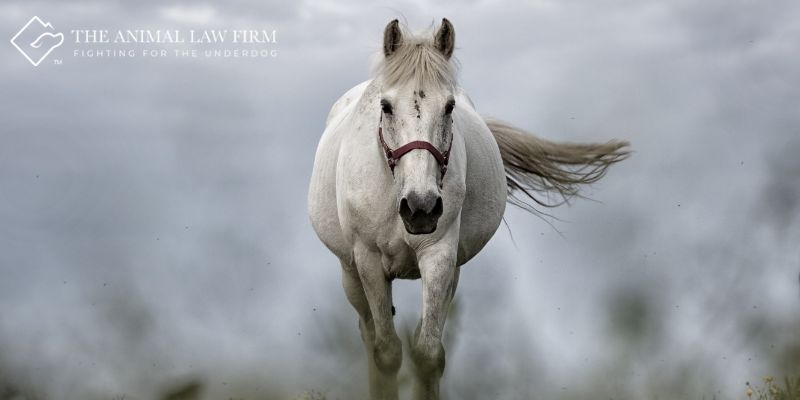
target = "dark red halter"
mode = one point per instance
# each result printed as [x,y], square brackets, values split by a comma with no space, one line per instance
[393,155]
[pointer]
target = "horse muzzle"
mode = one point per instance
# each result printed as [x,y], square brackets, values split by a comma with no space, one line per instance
[420,213]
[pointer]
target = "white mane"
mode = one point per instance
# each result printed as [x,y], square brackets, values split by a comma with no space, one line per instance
[417,60]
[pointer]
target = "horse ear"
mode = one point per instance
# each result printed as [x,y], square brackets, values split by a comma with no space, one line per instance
[445,38]
[392,38]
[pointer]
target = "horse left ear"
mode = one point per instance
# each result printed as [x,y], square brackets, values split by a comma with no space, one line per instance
[392,38]
[445,38]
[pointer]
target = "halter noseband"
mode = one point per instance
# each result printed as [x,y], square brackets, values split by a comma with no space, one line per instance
[393,155]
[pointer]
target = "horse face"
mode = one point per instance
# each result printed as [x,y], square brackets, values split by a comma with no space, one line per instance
[417,107]
[413,114]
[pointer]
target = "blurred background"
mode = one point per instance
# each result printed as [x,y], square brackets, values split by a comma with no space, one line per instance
[154,236]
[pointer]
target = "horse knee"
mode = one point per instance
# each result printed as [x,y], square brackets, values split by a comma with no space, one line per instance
[429,358]
[388,354]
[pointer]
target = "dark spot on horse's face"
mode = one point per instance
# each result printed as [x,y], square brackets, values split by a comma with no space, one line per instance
[386,107]
[421,94]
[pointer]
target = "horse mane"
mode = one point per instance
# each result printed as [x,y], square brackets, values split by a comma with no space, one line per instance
[417,60]
[536,167]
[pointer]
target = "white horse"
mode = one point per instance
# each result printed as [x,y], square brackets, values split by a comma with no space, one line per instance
[410,182]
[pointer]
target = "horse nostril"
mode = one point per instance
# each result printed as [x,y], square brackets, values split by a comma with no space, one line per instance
[405,210]
[438,208]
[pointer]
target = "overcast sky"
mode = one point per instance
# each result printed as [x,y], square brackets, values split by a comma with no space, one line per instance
[153,222]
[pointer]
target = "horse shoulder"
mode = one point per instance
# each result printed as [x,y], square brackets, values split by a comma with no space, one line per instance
[322,205]
[348,99]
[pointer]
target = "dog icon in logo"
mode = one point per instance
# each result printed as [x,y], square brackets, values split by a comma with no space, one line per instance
[36,40]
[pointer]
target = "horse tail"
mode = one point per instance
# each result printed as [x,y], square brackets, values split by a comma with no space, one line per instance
[537,170]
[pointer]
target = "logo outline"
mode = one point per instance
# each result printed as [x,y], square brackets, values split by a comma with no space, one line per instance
[44,56]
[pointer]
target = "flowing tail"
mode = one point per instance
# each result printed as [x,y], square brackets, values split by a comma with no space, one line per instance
[538,169]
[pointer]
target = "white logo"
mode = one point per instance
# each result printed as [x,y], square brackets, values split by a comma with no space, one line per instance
[37,41]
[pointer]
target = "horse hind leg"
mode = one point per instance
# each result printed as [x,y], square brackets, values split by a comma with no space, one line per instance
[370,294]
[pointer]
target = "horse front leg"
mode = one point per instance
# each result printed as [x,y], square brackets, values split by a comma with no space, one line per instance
[439,279]
[383,345]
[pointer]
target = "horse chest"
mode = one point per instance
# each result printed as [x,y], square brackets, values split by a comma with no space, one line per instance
[400,262]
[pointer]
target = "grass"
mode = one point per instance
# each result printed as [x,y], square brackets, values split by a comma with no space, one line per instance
[789,389]
[311,395]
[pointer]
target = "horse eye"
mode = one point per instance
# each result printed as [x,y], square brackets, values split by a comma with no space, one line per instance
[386,107]
[448,108]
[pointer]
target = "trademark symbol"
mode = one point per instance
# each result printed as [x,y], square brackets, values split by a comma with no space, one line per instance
[57,61]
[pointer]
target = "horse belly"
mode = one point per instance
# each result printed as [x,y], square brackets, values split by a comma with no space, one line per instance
[486,190]
[322,208]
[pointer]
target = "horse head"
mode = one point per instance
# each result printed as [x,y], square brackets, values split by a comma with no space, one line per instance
[417,84]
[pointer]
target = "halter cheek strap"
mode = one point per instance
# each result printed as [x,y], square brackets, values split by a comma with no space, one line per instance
[393,155]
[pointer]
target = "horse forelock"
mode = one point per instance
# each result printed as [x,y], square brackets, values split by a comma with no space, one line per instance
[417,61]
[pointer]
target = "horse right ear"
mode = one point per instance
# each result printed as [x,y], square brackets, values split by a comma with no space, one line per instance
[392,38]
[445,39]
